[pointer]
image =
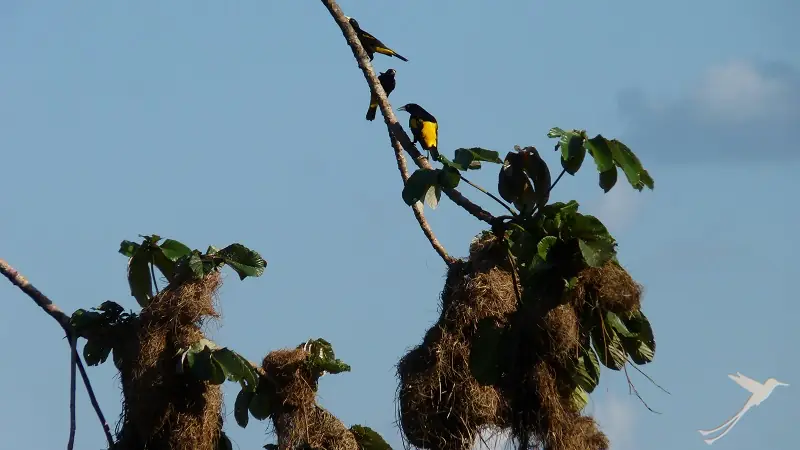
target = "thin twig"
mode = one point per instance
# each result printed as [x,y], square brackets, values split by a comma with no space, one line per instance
[631,387]
[563,171]
[72,364]
[650,379]
[55,312]
[489,194]
[400,139]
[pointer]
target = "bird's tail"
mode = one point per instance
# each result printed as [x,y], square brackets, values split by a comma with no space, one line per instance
[434,152]
[373,108]
[400,57]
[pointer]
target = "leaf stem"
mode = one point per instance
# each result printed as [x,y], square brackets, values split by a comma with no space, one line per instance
[563,171]
[488,193]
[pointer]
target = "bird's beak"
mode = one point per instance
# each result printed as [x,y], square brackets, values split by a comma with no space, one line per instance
[781,384]
[402,108]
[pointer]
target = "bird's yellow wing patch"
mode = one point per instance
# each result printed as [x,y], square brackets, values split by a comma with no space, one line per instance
[429,133]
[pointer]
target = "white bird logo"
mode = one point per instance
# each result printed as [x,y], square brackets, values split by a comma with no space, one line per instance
[759,391]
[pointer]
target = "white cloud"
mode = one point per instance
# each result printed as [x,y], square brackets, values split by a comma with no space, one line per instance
[738,91]
[618,207]
[617,420]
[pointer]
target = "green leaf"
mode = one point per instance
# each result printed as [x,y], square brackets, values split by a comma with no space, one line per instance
[572,151]
[369,439]
[484,358]
[555,132]
[418,184]
[246,262]
[642,345]
[596,252]
[174,250]
[241,407]
[95,352]
[465,157]
[608,179]
[196,265]
[625,159]
[224,442]
[322,359]
[449,178]
[260,406]
[545,245]
[609,347]
[236,368]
[116,356]
[128,248]
[579,398]
[204,367]
[535,167]
[139,278]
[601,152]
[433,196]
[616,323]
[587,370]
[514,185]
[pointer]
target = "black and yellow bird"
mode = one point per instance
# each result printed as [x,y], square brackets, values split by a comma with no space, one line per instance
[424,128]
[372,44]
[388,83]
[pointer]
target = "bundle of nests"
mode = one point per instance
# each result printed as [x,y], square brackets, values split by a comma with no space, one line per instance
[442,406]
[299,422]
[164,409]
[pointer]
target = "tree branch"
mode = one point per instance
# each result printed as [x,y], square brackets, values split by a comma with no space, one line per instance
[399,138]
[55,312]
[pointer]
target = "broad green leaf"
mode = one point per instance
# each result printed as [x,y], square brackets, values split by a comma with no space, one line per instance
[514,185]
[535,167]
[544,246]
[484,357]
[236,368]
[608,179]
[369,439]
[165,265]
[616,323]
[625,159]
[174,250]
[609,347]
[433,196]
[196,265]
[241,407]
[466,156]
[449,178]
[211,250]
[224,442]
[451,164]
[555,132]
[246,262]
[642,346]
[139,278]
[95,352]
[418,184]
[589,227]
[587,370]
[596,252]
[204,367]
[260,406]
[601,153]
[322,359]
[128,248]
[572,151]
[579,398]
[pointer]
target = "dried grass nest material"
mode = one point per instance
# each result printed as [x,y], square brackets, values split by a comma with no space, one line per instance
[296,416]
[610,286]
[163,409]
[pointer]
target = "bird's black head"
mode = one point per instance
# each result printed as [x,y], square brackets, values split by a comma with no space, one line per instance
[391,72]
[411,108]
[353,23]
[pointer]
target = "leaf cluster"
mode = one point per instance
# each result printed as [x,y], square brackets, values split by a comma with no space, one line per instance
[177,262]
[105,329]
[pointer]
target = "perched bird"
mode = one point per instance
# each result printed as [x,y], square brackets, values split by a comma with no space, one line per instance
[371,43]
[388,83]
[424,128]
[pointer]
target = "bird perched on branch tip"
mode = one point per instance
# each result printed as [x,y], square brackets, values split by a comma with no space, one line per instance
[388,83]
[372,44]
[424,128]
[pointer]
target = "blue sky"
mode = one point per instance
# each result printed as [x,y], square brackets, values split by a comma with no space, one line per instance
[220,122]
